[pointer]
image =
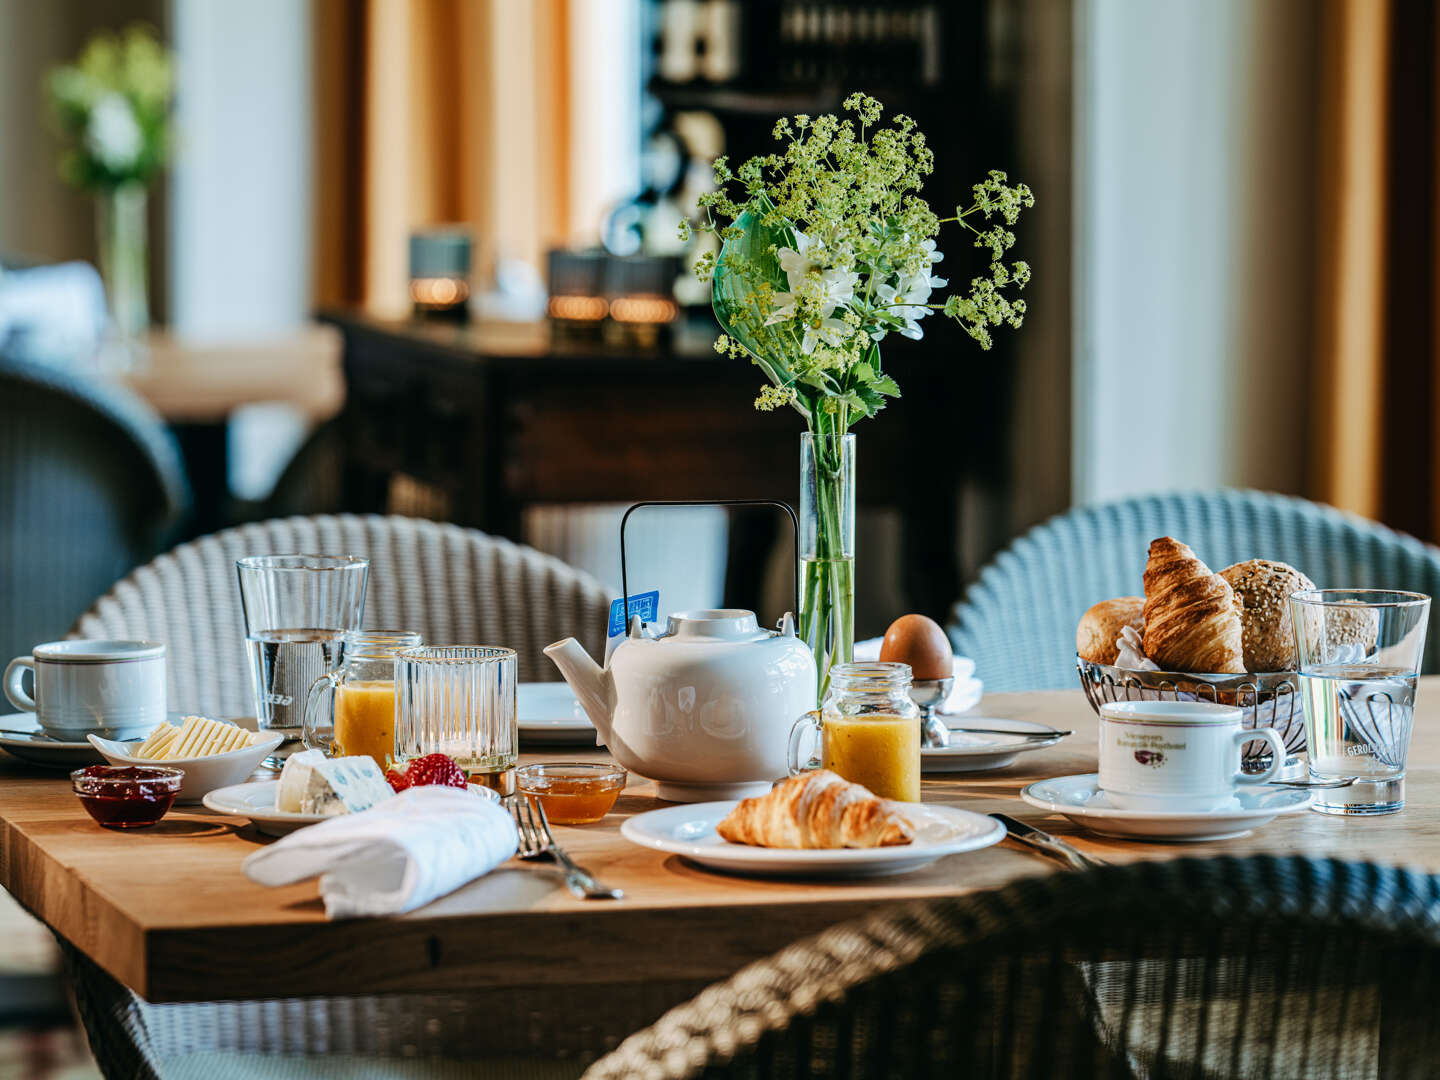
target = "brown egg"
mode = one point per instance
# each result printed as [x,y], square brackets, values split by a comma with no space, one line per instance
[918,641]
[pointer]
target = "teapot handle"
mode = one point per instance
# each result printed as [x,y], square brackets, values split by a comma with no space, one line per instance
[789,510]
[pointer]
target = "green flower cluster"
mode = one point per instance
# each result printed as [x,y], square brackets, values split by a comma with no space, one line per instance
[112,106]
[828,247]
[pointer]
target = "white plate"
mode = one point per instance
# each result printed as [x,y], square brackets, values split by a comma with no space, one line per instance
[690,831]
[971,753]
[34,747]
[202,774]
[549,713]
[1080,799]
[256,801]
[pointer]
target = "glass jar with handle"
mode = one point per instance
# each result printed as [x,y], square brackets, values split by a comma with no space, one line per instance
[868,730]
[361,716]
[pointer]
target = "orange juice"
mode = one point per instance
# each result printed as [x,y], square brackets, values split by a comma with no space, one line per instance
[878,750]
[365,720]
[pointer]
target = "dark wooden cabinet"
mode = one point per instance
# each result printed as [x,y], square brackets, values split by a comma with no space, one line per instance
[486,419]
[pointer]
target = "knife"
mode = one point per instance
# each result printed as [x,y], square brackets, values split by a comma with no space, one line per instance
[1046,844]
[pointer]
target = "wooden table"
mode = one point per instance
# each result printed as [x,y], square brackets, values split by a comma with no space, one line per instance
[168,912]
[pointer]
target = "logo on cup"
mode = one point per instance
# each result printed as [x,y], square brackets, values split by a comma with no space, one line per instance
[1153,758]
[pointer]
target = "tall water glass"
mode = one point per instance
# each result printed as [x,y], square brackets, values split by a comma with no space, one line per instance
[1360,652]
[297,610]
[459,700]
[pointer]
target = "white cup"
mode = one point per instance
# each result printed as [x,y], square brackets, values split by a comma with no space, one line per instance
[115,689]
[1177,755]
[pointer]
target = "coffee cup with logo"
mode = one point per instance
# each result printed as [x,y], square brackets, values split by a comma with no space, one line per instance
[1178,755]
[115,689]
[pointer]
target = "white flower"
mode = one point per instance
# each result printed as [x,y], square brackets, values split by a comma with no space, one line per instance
[831,332]
[112,133]
[819,287]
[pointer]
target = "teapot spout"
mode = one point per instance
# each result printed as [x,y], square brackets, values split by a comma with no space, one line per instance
[593,685]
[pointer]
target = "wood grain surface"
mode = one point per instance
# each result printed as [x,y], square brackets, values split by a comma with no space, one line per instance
[168,911]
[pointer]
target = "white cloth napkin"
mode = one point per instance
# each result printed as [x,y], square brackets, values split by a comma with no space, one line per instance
[394,857]
[964,694]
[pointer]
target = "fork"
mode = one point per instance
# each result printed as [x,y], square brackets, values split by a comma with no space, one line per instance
[537,841]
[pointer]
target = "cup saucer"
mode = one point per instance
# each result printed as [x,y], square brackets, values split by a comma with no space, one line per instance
[1080,799]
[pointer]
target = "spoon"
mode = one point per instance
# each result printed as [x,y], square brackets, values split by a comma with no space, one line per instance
[1337,782]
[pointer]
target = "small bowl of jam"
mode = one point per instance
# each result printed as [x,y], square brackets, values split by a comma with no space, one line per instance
[572,792]
[126,796]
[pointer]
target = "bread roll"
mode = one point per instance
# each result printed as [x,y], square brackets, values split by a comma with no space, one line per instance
[1264,589]
[1099,629]
[1192,619]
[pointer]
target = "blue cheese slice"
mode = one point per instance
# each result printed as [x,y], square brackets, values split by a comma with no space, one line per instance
[344,785]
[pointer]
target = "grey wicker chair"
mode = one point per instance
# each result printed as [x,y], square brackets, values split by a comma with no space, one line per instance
[453,585]
[1262,967]
[1017,620]
[91,484]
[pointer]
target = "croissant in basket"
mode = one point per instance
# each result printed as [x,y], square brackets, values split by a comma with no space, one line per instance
[1192,619]
[817,810]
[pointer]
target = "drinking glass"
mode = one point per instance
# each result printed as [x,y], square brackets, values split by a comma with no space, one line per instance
[297,608]
[459,700]
[1359,652]
[360,719]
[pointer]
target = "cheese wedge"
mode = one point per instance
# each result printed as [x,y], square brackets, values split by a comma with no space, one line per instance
[311,783]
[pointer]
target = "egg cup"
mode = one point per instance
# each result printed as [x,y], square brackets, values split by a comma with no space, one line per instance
[929,695]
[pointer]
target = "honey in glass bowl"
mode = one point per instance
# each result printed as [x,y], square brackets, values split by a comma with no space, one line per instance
[572,793]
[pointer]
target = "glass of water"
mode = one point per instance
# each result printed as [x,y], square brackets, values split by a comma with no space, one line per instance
[459,700]
[298,609]
[1360,652]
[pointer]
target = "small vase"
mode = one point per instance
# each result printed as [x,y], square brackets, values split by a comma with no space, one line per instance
[827,551]
[120,221]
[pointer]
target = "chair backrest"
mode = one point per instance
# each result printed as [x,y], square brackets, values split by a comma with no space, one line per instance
[1017,620]
[91,483]
[452,585]
[1257,967]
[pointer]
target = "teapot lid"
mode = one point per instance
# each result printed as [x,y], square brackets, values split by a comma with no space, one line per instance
[714,624]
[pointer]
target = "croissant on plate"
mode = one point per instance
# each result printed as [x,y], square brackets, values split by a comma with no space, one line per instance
[1192,617]
[817,810]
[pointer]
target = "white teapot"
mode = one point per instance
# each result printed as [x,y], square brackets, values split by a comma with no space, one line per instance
[703,709]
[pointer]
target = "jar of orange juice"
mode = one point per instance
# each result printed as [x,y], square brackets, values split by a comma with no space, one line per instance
[361,717]
[868,729]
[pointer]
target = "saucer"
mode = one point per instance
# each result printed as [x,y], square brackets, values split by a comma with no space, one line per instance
[1080,799]
[26,741]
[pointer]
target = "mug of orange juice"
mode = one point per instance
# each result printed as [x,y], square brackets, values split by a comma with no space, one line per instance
[868,730]
[361,716]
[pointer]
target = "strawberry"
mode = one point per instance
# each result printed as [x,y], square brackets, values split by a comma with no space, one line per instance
[430,769]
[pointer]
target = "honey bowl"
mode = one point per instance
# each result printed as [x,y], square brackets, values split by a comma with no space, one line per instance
[572,792]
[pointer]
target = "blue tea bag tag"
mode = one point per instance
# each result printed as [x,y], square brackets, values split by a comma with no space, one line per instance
[646,605]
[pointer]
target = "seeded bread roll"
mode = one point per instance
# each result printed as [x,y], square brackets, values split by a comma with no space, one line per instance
[1264,588]
[1100,627]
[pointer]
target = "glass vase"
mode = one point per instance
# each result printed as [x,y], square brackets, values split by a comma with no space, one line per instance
[120,221]
[827,551]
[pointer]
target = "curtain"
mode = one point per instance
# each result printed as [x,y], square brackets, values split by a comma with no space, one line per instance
[435,112]
[1374,443]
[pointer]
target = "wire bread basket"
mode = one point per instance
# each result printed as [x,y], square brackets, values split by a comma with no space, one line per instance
[1268,699]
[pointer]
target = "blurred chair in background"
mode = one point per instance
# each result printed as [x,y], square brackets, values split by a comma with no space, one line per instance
[1017,620]
[91,484]
[1257,967]
[452,585]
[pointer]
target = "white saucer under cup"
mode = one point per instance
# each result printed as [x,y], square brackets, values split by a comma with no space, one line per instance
[1081,799]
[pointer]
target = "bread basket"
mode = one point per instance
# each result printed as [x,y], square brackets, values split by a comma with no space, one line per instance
[1268,699]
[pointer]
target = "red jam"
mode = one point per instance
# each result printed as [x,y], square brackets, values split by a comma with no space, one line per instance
[126,797]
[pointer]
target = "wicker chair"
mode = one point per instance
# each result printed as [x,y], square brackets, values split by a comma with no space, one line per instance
[1017,620]
[453,585]
[1257,967]
[91,484]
